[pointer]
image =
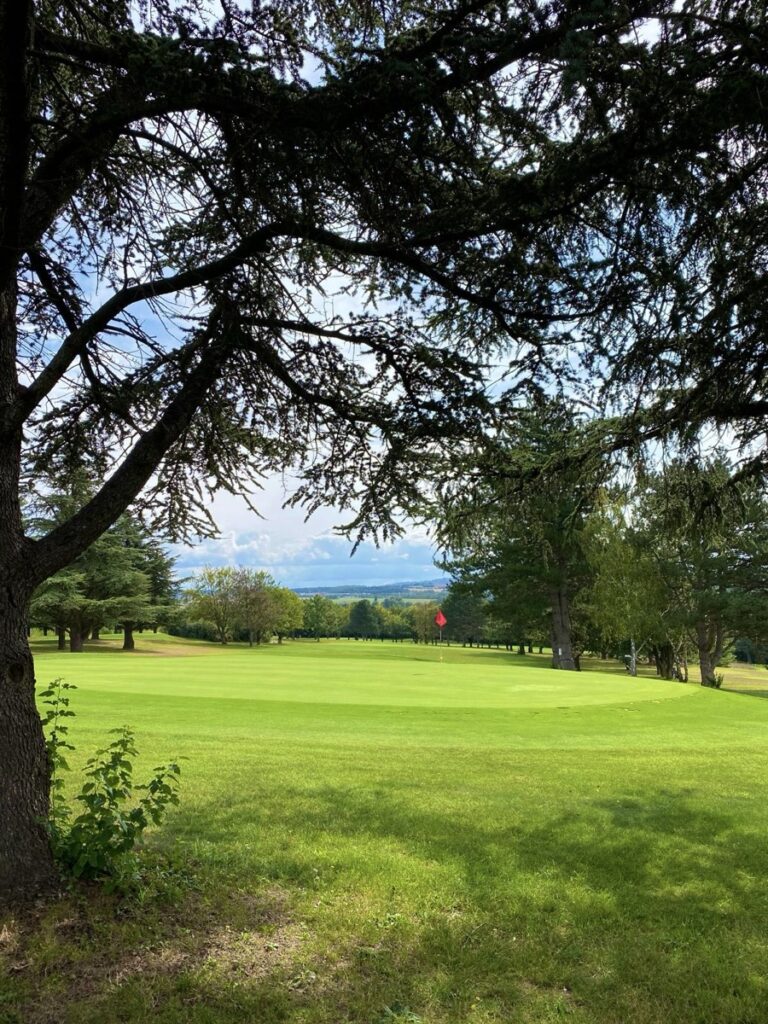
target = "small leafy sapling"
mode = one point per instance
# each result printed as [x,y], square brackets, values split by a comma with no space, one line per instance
[55,699]
[100,842]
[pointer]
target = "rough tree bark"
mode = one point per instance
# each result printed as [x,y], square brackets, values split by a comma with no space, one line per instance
[26,864]
[562,649]
[75,638]
[665,660]
[129,644]
[709,642]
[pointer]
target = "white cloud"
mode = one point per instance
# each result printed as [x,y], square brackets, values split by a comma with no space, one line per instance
[304,554]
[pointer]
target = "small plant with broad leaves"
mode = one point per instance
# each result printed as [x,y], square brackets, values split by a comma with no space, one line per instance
[100,842]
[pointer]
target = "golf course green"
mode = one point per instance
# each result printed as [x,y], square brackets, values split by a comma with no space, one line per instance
[378,832]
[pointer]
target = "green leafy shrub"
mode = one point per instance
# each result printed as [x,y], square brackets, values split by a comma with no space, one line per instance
[100,841]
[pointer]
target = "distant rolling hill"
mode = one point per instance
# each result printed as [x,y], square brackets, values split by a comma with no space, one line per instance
[431,589]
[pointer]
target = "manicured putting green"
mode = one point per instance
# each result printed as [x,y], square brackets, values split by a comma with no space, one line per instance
[344,672]
[391,693]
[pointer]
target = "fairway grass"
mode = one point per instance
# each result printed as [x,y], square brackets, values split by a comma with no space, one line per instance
[395,833]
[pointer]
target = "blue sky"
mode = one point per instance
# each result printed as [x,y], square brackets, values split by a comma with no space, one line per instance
[304,554]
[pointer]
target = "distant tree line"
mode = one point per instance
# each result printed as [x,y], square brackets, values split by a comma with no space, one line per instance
[468,620]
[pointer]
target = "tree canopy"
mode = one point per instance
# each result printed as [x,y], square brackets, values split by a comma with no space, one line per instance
[529,176]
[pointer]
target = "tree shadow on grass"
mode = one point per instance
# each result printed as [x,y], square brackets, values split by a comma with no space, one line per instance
[643,909]
[630,908]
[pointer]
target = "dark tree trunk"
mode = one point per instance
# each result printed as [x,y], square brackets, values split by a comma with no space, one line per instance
[75,638]
[562,650]
[521,648]
[61,636]
[26,864]
[709,646]
[129,644]
[665,661]
[706,669]
[95,633]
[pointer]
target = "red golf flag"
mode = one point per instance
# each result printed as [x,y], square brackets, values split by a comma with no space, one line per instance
[440,619]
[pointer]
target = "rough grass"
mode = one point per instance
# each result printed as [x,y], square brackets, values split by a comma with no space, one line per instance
[371,834]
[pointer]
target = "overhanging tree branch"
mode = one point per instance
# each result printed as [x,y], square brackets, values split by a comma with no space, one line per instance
[61,545]
[76,342]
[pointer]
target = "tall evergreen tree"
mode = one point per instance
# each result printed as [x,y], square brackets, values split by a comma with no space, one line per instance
[516,533]
[466,615]
[109,583]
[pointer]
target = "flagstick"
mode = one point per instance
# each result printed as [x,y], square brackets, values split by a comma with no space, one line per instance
[440,621]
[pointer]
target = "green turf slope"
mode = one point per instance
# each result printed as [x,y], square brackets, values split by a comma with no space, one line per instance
[381,835]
